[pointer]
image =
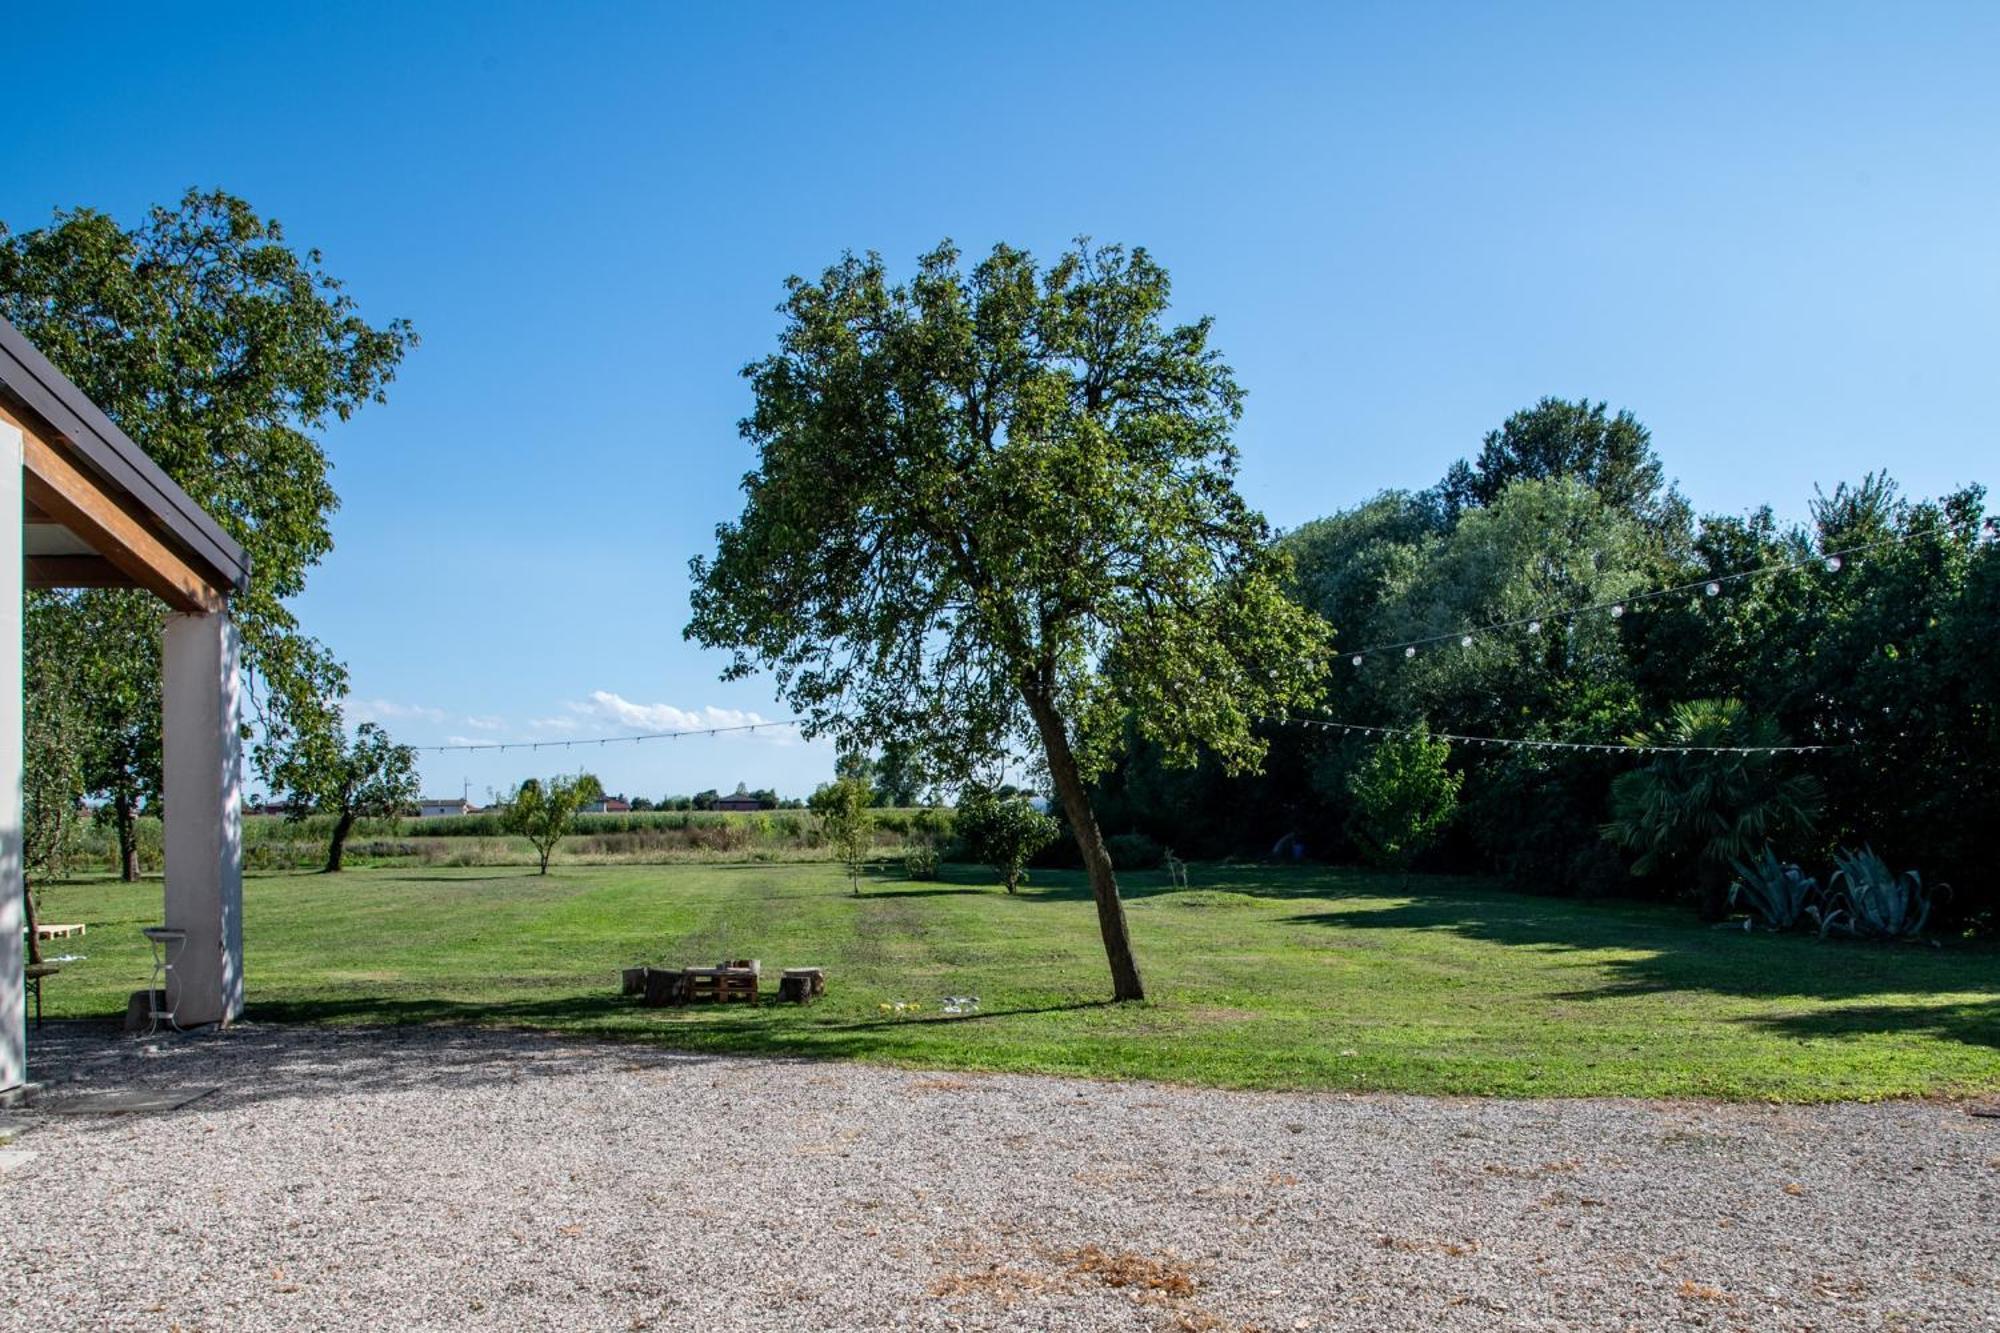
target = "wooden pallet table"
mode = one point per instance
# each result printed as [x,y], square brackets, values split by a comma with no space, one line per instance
[58,932]
[723,984]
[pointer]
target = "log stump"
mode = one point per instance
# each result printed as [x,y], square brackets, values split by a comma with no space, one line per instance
[665,988]
[635,980]
[802,985]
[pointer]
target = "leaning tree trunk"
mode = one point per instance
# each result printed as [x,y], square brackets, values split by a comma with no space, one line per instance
[128,839]
[1125,983]
[337,849]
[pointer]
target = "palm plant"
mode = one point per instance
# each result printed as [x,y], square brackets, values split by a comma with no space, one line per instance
[1699,811]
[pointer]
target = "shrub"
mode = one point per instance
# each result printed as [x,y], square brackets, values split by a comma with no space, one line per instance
[921,862]
[1135,851]
[1871,900]
[1004,832]
[1777,893]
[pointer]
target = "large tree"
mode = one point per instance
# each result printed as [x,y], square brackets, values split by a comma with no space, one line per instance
[996,509]
[1581,441]
[223,351]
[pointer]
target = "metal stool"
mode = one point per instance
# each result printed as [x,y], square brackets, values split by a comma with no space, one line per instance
[167,946]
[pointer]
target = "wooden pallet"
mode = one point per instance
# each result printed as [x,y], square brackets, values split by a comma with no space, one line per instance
[59,932]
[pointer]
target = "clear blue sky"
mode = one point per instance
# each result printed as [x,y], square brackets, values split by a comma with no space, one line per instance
[1771,231]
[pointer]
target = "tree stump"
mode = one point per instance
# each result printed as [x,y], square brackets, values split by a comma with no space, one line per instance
[801,985]
[635,980]
[665,988]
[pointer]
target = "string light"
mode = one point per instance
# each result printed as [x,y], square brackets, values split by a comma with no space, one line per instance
[1713,589]
[504,746]
[1591,747]
[1617,610]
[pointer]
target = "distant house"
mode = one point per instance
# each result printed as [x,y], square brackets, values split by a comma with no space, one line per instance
[432,807]
[741,800]
[609,805]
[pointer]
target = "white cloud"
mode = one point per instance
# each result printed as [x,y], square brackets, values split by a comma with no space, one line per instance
[487,723]
[555,723]
[608,711]
[388,710]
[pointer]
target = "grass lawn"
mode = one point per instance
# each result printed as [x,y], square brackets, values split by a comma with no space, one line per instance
[1262,977]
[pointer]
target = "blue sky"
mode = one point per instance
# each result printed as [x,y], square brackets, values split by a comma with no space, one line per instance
[1771,231]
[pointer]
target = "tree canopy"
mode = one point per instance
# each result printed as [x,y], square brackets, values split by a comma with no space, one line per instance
[994,509]
[223,351]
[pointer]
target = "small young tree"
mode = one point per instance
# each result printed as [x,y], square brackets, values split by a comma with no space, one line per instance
[842,807]
[1004,832]
[1403,795]
[541,811]
[369,777]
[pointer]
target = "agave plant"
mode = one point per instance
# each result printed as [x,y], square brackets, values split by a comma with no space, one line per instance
[1871,899]
[1776,892]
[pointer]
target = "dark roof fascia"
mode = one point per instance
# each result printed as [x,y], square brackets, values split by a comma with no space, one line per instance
[111,454]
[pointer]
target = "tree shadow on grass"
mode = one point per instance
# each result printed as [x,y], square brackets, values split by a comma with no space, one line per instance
[1657,950]
[1969,1024]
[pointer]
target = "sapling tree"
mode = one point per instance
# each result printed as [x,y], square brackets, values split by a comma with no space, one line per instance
[996,510]
[542,812]
[1404,794]
[842,807]
[1004,832]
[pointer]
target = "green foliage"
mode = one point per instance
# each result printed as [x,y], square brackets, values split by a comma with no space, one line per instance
[1404,795]
[222,351]
[1776,892]
[996,509]
[368,777]
[921,862]
[1004,832]
[541,811]
[1873,901]
[1579,441]
[1700,812]
[1135,851]
[842,807]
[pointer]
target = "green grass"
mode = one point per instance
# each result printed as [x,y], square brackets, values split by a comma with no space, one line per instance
[1262,977]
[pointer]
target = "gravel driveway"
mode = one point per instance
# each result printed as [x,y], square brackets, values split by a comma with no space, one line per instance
[432,1179]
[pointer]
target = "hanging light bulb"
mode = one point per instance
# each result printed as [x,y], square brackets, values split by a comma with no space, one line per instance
[1713,589]
[1465,642]
[1534,627]
[1410,651]
[1833,564]
[1617,610]
[1357,659]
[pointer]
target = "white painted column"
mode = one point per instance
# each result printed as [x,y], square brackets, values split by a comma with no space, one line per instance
[202,759]
[13,953]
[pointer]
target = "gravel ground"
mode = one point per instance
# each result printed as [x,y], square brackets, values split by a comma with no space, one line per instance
[433,1179]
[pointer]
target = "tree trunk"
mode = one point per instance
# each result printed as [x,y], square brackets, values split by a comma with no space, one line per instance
[338,847]
[128,836]
[1125,983]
